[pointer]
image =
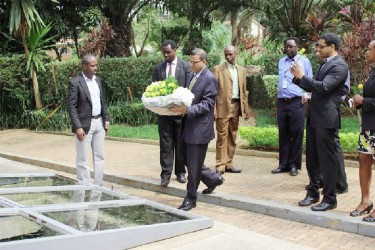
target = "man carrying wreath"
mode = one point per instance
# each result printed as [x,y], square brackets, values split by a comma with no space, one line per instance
[198,128]
[172,147]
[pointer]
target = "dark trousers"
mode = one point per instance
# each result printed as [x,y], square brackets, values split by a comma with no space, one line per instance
[172,145]
[195,156]
[290,121]
[342,182]
[322,157]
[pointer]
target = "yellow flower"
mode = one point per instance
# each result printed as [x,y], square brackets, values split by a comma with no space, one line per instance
[360,86]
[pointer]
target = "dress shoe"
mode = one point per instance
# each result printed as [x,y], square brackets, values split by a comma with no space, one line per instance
[308,201]
[324,206]
[293,172]
[342,191]
[211,189]
[181,178]
[369,219]
[187,205]
[233,170]
[220,172]
[367,210]
[279,170]
[164,182]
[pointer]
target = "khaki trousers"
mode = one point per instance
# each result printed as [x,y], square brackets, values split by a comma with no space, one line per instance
[227,129]
[94,140]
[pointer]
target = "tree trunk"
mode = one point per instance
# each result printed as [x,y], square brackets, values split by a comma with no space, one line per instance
[191,21]
[234,24]
[120,45]
[38,100]
[75,36]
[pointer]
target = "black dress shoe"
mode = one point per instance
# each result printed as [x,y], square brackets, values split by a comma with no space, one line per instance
[367,210]
[369,219]
[211,189]
[181,178]
[233,170]
[187,205]
[342,191]
[164,182]
[293,172]
[279,170]
[324,206]
[308,201]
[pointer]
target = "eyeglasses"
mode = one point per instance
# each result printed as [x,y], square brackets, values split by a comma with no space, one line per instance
[195,62]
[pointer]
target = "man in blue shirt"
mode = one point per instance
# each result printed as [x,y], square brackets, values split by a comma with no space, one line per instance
[290,112]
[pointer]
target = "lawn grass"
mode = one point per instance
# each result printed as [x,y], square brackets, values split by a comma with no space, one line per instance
[264,118]
[149,132]
[267,118]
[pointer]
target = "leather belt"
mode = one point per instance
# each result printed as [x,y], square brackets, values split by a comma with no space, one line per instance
[96,116]
[290,99]
[235,100]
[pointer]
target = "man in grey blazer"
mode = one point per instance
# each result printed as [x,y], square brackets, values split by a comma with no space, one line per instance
[198,128]
[172,146]
[90,120]
[327,87]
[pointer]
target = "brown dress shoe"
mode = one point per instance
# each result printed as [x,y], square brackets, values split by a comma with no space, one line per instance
[233,170]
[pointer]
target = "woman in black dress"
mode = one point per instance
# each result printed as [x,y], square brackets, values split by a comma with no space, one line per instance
[366,142]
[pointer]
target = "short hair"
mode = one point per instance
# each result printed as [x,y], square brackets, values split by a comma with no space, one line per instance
[331,38]
[171,43]
[87,58]
[197,51]
[296,39]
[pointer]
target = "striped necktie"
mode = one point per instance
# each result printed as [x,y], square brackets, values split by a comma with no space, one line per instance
[192,83]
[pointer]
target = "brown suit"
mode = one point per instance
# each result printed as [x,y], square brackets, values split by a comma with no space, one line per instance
[227,113]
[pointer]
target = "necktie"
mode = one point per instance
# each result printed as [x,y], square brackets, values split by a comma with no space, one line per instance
[170,69]
[192,83]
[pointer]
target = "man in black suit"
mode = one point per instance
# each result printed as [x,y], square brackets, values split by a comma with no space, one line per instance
[171,144]
[327,88]
[198,128]
[342,184]
[90,119]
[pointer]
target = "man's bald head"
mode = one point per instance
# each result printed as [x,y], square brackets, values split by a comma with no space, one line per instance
[230,54]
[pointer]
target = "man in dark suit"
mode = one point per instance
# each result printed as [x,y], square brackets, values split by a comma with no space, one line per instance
[171,144]
[198,128]
[342,184]
[90,119]
[327,88]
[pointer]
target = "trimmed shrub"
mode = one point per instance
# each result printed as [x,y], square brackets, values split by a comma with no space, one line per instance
[268,137]
[258,95]
[270,83]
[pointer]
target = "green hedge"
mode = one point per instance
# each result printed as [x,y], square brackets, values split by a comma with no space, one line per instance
[258,94]
[269,137]
[122,78]
[58,119]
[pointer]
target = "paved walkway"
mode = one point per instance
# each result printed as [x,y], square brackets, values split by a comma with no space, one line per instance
[233,228]
[141,162]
